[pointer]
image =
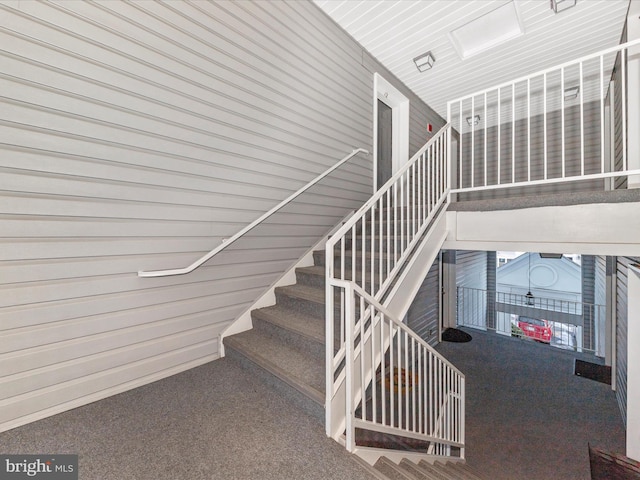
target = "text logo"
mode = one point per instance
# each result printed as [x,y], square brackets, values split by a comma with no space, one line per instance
[43,467]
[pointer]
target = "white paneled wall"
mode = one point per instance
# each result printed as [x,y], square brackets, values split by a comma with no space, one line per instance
[138,136]
[423,316]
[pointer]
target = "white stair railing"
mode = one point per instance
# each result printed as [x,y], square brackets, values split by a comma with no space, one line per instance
[368,253]
[553,126]
[396,382]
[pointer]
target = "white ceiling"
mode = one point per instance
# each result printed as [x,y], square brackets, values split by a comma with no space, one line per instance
[396,31]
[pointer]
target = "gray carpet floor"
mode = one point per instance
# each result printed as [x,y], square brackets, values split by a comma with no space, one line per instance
[528,416]
[213,422]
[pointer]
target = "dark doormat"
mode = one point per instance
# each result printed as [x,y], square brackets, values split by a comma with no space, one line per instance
[593,371]
[455,335]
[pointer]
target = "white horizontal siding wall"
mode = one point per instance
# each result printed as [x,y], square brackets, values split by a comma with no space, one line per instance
[572,148]
[471,274]
[423,316]
[137,136]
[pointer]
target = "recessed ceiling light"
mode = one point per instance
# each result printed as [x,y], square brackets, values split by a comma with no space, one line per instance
[561,5]
[425,61]
[571,93]
[473,121]
[488,31]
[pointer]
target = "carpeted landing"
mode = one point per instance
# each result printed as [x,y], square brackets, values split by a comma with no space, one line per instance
[216,421]
[529,417]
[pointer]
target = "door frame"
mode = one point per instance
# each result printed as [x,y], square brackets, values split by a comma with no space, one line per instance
[391,96]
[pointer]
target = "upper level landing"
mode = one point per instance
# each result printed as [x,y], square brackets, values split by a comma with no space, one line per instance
[597,223]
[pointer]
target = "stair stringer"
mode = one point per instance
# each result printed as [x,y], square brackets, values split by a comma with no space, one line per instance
[400,297]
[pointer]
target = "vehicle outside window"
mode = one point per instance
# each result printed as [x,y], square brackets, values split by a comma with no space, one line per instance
[535,328]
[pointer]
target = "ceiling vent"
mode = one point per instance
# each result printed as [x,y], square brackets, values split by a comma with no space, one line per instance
[488,31]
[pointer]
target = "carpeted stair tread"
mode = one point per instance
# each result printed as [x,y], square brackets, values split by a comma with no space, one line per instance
[431,471]
[299,323]
[392,471]
[304,292]
[313,270]
[466,467]
[425,470]
[292,366]
[311,277]
[465,472]
[417,471]
[448,471]
[321,272]
[445,472]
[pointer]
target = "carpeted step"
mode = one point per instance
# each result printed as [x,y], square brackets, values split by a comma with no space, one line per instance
[318,258]
[311,276]
[293,372]
[280,321]
[470,470]
[391,470]
[434,472]
[448,471]
[302,331]
[416,471]
[465,472]
[302,299]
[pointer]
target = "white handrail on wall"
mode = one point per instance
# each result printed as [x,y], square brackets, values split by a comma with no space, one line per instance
[212,253]
[566,142]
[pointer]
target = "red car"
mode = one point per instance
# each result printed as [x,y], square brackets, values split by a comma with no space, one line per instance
[536,329]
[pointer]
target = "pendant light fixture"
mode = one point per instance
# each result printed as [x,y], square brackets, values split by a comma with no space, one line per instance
[529,299]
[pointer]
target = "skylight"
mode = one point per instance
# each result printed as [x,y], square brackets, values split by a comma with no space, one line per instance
[488,31]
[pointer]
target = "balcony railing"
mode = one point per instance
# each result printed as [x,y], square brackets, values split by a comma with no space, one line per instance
[556,125]
[568,325]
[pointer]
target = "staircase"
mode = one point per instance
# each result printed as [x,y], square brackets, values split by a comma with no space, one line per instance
[286,346]
[286,349]
[387,390]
